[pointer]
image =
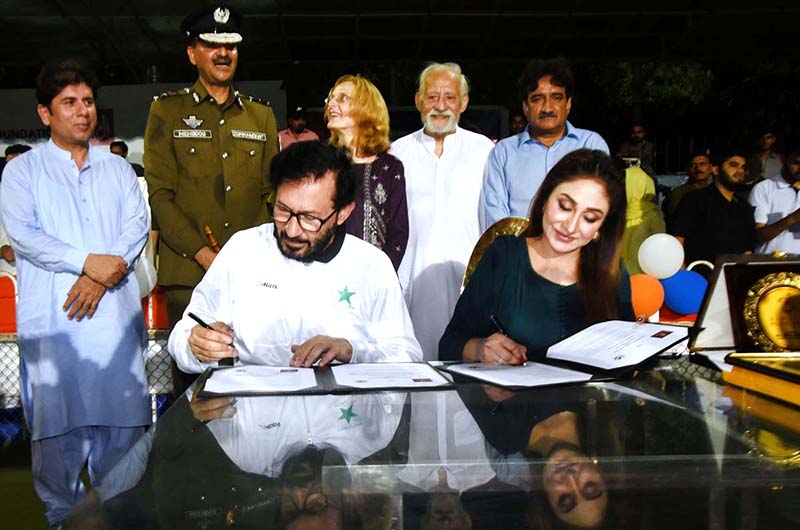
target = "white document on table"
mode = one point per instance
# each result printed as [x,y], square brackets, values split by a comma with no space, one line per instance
[532,375]
[256,378]
[388,375]
[616,343]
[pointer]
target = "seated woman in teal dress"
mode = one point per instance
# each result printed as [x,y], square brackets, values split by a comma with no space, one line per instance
[563,274]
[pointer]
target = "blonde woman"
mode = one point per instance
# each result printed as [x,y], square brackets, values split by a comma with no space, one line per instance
[359,121]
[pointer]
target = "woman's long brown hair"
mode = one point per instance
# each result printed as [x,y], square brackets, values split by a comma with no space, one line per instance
[598,265]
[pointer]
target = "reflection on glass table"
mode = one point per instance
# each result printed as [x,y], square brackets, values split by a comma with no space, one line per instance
[669,447]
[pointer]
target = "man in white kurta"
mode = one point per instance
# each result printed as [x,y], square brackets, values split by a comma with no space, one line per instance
[299,290]
[76,221]
[444,173]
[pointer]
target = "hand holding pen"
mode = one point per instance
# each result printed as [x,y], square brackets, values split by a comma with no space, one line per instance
[499,348]
[212,343]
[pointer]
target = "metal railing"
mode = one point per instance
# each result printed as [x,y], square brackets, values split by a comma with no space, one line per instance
[157,367]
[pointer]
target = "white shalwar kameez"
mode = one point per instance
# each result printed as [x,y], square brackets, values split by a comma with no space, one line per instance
[443,196]
[84,388]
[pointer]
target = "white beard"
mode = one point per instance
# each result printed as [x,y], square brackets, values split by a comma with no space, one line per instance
[448,127]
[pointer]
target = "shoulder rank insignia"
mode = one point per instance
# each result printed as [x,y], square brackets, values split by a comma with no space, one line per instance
[192,122]
[244,97]
[179,92]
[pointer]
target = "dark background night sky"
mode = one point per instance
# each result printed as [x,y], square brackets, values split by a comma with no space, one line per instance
[699,74]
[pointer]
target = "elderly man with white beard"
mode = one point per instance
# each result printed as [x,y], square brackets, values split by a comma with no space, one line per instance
[444,173]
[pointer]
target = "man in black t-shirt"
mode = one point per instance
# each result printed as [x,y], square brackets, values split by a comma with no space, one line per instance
[717,220]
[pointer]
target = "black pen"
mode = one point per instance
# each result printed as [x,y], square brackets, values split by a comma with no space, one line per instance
[499,327]
[492,317]
[227,361]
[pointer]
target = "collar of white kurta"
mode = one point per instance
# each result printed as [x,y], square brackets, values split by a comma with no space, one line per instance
[429,142]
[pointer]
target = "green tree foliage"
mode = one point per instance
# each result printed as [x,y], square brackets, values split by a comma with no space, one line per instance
[669,85]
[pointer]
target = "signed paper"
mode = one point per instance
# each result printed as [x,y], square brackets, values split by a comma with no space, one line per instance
[531,375]
[256,378]
[617,344]
[388,375]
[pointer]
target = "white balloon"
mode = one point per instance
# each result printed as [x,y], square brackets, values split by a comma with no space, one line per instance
[661,256]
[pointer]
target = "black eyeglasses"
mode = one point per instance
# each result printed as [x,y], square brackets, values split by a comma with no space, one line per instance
[307,222]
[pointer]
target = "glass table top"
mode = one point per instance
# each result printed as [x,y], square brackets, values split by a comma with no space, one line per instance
[669,447]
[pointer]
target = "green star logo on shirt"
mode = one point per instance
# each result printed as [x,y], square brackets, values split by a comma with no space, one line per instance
[345,294]
[347,414]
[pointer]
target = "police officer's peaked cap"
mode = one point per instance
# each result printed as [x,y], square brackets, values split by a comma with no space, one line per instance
[218,24]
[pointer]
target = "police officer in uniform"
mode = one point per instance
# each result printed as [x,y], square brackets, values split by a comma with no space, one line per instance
[207,151]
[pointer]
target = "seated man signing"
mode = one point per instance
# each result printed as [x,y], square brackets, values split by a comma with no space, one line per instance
[299,290]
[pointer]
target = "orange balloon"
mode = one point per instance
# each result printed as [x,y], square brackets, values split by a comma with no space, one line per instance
[647,294]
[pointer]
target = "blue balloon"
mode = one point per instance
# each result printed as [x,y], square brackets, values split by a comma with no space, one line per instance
[684,291]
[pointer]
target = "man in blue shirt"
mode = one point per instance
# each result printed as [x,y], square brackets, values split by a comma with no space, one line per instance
[77,221]
[517,165]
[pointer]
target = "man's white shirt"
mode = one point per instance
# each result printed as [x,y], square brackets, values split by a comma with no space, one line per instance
[273,302]
[774,199]
[268,430]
